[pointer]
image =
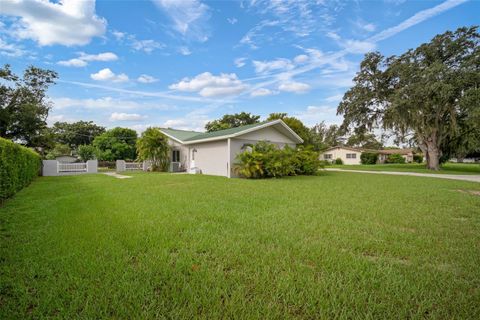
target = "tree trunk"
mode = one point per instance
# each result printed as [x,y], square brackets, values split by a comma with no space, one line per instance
[433,154]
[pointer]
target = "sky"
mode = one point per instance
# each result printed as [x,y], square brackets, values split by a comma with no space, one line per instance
[181,63]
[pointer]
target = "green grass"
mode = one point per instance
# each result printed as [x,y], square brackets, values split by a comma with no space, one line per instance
[340,245]
[447,168]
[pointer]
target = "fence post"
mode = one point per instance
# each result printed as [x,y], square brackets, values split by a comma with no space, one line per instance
[120,165]
[50,168]
[92,166]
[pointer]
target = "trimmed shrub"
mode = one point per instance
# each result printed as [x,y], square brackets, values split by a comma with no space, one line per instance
[18,167]
[417,158]
[266,160]
[395,158]
[368,158]
[338,161]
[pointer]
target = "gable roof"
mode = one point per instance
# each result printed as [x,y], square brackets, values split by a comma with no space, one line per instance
[190,137]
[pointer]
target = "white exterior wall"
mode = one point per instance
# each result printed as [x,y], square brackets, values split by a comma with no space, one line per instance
[342,154]
[184,155]
[211,157]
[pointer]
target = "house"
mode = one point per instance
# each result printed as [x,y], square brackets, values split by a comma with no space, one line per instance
[215,152]
[347,154]
[351,155]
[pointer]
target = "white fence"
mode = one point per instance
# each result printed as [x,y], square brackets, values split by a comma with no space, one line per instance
[133,166]
[121,166]
[72,167]
[56,168]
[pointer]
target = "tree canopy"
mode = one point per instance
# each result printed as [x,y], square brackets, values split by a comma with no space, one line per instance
[323,136]
[24,105]
[430,94]
[153,146]
[116,144]
[294,124]
[232,121]
[77,133]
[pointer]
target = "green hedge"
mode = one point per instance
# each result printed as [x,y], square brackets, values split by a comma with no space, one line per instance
[18,167]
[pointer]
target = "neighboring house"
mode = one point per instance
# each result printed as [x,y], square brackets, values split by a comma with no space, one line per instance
[352,155]
[215,152]
[347,154]
[407,154]
[66,159]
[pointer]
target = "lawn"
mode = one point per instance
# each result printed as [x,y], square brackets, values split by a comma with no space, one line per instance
[339,245]
[447,168]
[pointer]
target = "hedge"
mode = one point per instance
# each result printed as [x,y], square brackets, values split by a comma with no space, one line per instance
[18,167]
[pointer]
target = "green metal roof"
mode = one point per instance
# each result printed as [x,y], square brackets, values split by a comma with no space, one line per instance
[183,135]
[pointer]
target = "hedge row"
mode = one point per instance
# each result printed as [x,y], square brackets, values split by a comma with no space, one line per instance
[18,167]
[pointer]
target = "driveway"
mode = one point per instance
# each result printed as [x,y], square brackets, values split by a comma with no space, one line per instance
[472,178]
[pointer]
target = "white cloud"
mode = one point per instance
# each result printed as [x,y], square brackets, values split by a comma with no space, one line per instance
[232,20]
[261,92]
[302,58]
[60,103]
[68,22]
[119,35]
[10,49]
[274,65]
[185,51]
[192,123]
[416,19]
[107,75]
[83,59]
[120,116]
[334,98]
[145,78]
[189,17]
[208,85]
[147,46]
[316,114]
[240,62]
[369,27]
[356,46]
[295,87]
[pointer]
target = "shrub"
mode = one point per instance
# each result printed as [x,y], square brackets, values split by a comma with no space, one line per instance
[86,152]
[395,158]
[266,160]
[417,158]
[18,167]
[338,161]
[369,158]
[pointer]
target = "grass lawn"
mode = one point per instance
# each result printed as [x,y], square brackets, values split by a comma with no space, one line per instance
[341,245]
[447,168]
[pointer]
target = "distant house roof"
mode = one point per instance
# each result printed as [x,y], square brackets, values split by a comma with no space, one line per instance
[189,137]
[346,148]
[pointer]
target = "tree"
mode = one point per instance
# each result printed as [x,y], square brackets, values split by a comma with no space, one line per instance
[59,150]
[24,105]
[116,144]
[294,124]
[232,121]
[364,141]
[323,136]
[86,152]
[429,94]
[77,133]
[153,146]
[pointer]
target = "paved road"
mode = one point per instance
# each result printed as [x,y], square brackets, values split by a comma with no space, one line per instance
[472,178]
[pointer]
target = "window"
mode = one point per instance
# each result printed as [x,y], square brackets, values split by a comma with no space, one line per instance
[175,155]
[327,156]
[351,156]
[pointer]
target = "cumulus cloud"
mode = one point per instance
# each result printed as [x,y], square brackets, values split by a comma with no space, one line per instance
[316,114]
[193,123]
[189,17]
[121,116]
[262,92]
[145,78]
[10,49]
[107,75]
[295,87]
[68,22]
[208,85]
[83,59]
[280,64]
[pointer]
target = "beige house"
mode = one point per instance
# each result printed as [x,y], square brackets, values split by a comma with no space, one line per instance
[352,155]
[215,152]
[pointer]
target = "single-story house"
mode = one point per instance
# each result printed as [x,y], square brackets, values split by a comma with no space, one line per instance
[215,152]
[351,155]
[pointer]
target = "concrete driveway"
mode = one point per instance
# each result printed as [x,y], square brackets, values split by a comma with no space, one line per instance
[472,178]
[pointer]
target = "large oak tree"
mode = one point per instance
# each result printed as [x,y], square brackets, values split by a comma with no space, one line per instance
[429,94]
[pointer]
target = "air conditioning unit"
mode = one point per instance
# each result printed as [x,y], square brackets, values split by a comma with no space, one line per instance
[175,167]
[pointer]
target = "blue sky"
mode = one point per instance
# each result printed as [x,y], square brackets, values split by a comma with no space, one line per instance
[181,63]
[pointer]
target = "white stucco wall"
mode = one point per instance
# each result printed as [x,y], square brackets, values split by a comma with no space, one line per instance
[342,154]
[212,157]
[184,156]
[268,134]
